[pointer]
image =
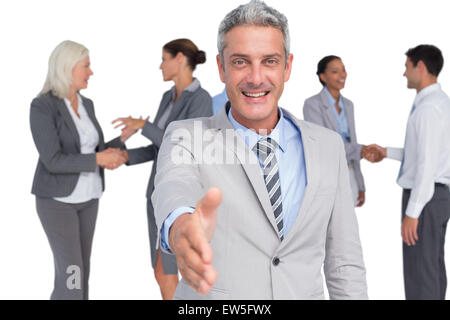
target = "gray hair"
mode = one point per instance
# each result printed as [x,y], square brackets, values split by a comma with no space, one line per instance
[60,64]
[257,13]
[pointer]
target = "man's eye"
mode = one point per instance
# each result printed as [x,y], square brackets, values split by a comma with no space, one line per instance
[238,62]
[272,61]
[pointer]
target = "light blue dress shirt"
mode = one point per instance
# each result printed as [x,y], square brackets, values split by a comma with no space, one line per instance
[341,118]
[291,166]
[219,101]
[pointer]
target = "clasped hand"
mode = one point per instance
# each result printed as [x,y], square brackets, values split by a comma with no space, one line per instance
[111,158]
[373,153]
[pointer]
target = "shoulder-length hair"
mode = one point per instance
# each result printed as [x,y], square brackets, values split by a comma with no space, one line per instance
[60,64]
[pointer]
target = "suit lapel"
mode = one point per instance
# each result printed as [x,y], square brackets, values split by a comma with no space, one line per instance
[90,111]
[62,107]
[328,111]
[310,151]
[164,102]
[178,106]
[249,163]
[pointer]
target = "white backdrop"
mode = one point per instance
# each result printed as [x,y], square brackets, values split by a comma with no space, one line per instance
[125,40]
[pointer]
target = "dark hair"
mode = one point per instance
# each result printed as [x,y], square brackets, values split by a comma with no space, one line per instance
[430,55]
[323,64]
[188,49]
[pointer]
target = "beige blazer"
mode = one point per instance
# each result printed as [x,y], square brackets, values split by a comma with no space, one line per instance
[250,259]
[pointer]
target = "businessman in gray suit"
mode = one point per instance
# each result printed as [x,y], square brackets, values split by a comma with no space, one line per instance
[252,201]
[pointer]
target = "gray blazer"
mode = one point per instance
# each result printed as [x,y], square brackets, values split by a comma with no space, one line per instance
[189,105]
[245,241]
[317,109]
[58,143]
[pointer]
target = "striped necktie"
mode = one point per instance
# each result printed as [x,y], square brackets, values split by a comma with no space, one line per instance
[265,149]
[400,172]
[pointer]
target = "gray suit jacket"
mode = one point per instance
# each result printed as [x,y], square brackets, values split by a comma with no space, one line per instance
[58,143]
[317,109]
[188,105]
[245,242]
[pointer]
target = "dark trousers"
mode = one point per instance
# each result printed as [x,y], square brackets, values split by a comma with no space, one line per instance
[423,264]
[70,230]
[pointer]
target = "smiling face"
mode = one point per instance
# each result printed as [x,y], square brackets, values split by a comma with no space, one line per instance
[254,70]
[334,75]
[81,74]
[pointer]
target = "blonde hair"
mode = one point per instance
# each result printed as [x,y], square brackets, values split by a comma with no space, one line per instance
[60,64]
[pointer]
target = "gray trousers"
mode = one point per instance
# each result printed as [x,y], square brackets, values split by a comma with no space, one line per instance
[423,264]
[169,261]
[70,230]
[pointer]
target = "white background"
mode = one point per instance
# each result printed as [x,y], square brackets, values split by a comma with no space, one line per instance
[125,40]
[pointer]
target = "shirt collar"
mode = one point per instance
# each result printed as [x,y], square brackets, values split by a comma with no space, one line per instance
[195,84]
[68,102]
[425,92]
[251,137]
[331,98]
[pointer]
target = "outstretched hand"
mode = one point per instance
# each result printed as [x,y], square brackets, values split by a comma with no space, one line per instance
[189,239]
[130,126]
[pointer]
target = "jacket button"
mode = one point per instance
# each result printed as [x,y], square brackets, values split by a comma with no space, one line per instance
[276,261]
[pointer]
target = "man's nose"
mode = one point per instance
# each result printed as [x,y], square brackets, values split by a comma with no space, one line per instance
[255,75]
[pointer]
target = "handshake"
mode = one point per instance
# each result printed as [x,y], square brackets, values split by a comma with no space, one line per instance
[373,153]
[111,158]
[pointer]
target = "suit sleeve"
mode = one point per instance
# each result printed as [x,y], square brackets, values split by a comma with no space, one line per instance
[177,181]
[141,155]
[47,141]
[115,143]
[312,113]
[344,267]
[152,132]
[356,162]
[353,149]
[359,176]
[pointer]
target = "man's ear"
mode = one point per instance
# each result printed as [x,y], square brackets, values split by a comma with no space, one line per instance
[287,73]
[422,67]
[221,68]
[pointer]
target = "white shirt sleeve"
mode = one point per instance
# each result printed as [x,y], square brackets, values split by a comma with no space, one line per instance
[394,153]
[428,131]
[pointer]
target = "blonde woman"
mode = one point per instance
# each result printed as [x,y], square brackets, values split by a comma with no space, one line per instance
[69,178]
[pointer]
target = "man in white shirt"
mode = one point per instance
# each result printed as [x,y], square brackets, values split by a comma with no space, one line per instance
[424,175]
